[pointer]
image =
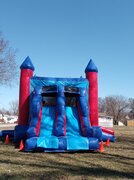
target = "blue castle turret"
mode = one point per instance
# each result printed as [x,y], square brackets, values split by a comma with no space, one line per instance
[27,64]
[91,67]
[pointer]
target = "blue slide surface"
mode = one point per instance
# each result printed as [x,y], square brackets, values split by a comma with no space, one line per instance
[73,139]
[47,122]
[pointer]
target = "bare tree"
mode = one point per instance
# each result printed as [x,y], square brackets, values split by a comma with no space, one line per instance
[8,67]
[116,106]
[5,111]
[131,104]
[101,105]
[14,107]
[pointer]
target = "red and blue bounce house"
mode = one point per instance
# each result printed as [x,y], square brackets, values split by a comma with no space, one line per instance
[59,114]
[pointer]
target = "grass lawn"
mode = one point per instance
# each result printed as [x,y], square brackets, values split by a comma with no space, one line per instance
[117,162]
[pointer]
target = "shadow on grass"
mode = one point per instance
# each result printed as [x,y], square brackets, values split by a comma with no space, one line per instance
[130,148]
[125,139]
[118,156]
[110,157]
[72,171]
[60,169]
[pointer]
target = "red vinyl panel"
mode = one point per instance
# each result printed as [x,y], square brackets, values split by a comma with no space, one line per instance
[26,74]
[93,97]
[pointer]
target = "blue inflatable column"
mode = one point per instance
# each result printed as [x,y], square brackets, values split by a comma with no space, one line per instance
[84,113]
[60,122]
[35,113]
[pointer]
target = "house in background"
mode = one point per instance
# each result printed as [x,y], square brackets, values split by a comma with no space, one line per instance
[104,120]
[4,118]
[130,122]
[107,121]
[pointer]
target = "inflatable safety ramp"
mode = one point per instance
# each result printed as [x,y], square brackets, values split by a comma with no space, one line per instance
[59,116]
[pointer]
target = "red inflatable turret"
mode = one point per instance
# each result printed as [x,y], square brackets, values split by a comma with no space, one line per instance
[92,76]
[27,69]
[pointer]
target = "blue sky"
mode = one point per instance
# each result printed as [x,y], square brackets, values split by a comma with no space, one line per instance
[61,36]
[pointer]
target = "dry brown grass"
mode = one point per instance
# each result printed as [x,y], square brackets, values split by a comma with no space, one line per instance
[117,162]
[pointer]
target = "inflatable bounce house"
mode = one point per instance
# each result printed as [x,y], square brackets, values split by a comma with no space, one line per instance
[59,114]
